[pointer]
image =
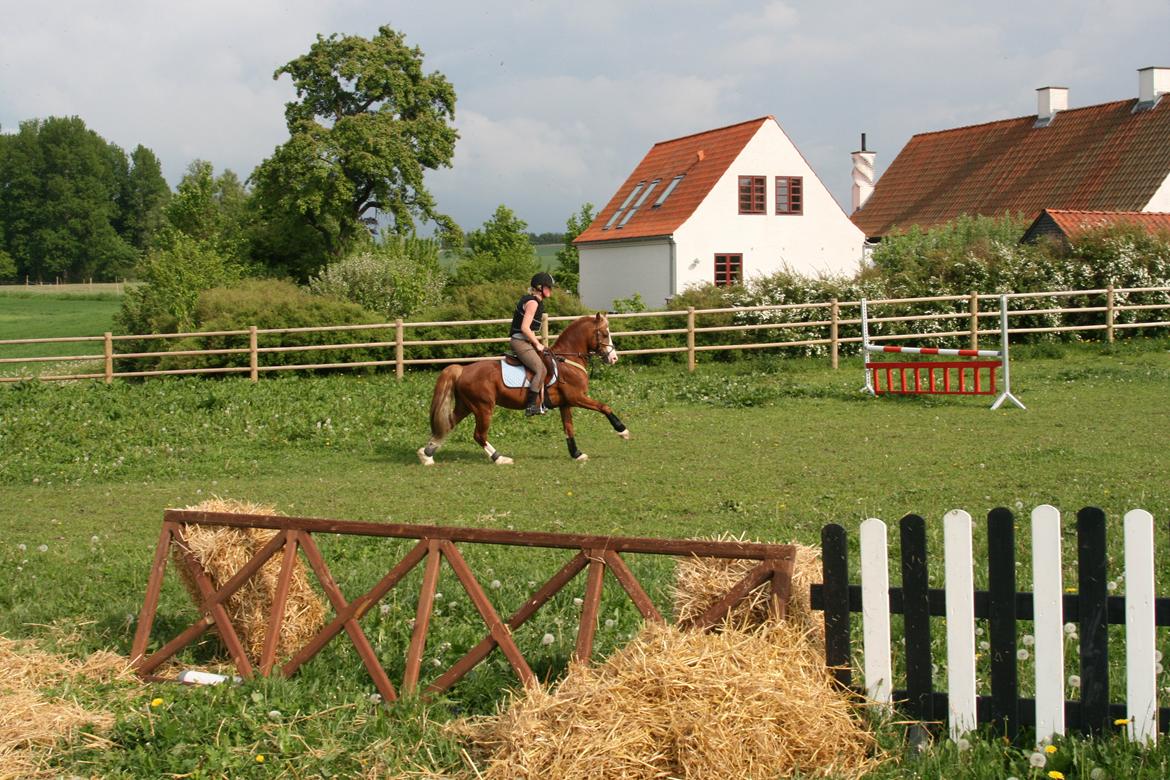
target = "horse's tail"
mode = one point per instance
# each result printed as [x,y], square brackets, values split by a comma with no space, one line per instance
[443,402]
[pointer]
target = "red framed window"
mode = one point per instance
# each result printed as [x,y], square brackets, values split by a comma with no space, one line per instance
[789,194]
[751,195]
[728,269]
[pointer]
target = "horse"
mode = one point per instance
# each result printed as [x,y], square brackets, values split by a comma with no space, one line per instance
[478,388]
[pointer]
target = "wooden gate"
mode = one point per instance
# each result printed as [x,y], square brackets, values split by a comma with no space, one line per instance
[434,544]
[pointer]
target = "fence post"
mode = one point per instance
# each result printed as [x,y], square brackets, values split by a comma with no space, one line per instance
[253,354]
[399,367]
[544,331]
[1109,314]
[108,350]
[690,338]
[974,309]
[835,318]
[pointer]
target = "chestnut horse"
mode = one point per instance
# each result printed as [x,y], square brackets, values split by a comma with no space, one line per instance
[478,388]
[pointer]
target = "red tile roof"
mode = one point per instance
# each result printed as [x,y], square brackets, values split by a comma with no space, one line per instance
[1074,223]
[1102,157]
[703,157]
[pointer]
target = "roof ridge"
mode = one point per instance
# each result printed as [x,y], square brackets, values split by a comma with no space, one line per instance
[715,130]
[1118,213]
[1018,118]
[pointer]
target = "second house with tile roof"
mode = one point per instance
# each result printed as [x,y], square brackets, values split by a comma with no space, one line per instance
[718,207]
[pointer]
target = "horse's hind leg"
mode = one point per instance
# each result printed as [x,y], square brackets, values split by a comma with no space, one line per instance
[483,419]
[426,455]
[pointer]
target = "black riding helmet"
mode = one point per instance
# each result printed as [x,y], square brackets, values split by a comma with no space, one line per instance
[542,279]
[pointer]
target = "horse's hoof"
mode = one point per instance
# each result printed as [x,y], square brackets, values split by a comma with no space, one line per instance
[503,460]
[423,458]
[581,458]
[624,434]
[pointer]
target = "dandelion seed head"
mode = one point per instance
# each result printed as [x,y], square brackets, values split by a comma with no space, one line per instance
[496,584]
[1037,760]
[1028,640]
[547,639]
[1022,654]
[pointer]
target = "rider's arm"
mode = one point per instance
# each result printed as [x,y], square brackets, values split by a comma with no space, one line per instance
[526,325]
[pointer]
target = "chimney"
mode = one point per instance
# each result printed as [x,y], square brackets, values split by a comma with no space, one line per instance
[862,175]
[1049,100]
[1152,82]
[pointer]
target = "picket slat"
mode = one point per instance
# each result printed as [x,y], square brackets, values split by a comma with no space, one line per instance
[1048,628]
[916,614]
[1092,581]
[960,586]
[1141,676]
[1001,612]
[875,610]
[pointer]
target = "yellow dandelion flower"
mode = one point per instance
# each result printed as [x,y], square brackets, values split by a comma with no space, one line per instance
[1121,721]
[156,702]
[1056,775]
[1050,749]
[260,759]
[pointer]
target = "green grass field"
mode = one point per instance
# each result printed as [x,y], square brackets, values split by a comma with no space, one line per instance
[770,448]
[33,314]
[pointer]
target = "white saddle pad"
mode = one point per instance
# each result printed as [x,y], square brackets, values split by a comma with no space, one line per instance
[517,376]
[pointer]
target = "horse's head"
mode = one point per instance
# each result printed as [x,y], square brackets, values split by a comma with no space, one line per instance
[602,343]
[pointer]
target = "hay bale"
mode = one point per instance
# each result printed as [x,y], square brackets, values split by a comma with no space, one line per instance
[224,551]
[33,721]
[683,705]
[700,582]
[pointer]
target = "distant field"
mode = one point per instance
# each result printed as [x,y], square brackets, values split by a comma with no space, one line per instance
[39,315]
[546,253]
[92,288]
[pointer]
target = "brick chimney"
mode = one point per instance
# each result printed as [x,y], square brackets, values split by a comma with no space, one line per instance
[862,175]
[1049,101]
[1152,83]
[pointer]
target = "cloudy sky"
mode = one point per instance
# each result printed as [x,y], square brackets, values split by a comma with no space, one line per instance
[558,100]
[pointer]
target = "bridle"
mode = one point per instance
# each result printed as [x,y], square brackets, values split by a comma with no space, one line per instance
[599,349]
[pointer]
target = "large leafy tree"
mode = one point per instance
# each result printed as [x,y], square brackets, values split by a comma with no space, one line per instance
[62,191]
[210,209]
[146,195]
[568,257]
[499,251]
[367,124]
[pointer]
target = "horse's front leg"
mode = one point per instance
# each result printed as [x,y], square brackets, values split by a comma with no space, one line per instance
[483,419]
[585,402]
[567,422]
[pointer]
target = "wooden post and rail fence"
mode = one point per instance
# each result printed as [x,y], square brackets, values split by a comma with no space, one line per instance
[821,328]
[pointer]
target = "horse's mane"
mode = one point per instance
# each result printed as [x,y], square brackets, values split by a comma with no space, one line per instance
[570,332]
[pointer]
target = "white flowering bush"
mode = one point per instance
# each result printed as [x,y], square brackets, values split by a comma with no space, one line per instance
[395,279]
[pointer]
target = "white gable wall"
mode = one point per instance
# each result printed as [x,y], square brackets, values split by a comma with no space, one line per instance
[618,269]
[821,240]
[1161,200]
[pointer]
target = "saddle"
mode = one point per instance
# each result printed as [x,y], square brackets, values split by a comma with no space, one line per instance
[516,374]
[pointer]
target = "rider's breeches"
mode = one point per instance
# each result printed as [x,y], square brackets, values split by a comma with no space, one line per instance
[531,359]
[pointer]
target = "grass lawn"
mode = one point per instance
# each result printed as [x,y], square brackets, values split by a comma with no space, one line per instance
[28,315]
[770,448]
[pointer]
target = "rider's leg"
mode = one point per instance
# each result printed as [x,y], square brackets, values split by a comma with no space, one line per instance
[531,360]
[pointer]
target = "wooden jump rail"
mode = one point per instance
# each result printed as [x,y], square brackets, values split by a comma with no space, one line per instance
[954,377]
[434,544]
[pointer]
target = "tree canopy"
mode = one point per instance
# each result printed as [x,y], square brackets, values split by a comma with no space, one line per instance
[367,124]
[498,251]
[66,196]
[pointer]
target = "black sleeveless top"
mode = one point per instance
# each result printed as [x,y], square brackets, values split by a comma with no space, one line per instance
[518,315]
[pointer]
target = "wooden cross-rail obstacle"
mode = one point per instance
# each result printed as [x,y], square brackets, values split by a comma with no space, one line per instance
[434,544]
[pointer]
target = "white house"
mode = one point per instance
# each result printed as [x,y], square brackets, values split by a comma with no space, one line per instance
[719,206]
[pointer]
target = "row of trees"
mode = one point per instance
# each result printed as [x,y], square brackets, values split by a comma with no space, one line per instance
[368,122]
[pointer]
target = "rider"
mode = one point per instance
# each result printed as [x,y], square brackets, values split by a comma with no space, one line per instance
[526,344]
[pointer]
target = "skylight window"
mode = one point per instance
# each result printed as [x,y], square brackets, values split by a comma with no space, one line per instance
[638,204]
[669,189]
[633,194]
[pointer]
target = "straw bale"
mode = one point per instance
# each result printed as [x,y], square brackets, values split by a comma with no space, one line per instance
[224,551]
[32,720]
[700,582]
[756,704]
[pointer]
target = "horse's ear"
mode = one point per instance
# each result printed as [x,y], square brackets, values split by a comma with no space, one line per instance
[597,318]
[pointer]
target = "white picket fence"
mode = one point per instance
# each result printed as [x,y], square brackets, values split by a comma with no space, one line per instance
[1141,655]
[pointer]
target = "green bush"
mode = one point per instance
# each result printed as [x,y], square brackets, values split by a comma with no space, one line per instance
[492,300]
[394,279]
[271,304]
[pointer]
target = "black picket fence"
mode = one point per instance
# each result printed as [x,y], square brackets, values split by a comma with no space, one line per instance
[1090,607]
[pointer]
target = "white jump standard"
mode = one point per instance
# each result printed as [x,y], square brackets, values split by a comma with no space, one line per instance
[957,377]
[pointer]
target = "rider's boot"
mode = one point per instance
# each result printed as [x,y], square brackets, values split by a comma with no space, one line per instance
[533,407]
